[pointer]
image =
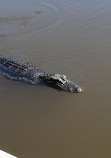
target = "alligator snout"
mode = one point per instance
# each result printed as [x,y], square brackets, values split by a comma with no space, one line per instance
[78,90]
[72,87]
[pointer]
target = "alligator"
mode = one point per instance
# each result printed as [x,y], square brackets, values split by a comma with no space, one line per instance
[22,71]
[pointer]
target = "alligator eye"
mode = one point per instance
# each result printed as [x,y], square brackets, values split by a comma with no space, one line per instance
[63,77]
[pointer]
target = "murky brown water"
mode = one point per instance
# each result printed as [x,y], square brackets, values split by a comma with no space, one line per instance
[72,37]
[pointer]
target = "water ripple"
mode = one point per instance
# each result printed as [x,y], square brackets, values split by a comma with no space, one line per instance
[38,17]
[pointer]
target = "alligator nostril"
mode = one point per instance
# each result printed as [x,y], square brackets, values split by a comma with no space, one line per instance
[80,90]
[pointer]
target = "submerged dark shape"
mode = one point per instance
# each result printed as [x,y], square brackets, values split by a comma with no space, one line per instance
[21,71]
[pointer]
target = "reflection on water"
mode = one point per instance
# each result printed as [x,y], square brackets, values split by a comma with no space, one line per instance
[67,37]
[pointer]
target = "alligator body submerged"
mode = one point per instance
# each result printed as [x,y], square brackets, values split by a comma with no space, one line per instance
[21,71]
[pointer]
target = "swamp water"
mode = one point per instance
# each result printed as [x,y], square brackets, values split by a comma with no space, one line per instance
[71,37]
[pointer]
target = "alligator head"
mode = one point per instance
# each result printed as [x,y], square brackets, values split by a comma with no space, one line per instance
[61,82]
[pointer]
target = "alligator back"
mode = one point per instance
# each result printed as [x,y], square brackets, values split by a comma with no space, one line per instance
[19,70]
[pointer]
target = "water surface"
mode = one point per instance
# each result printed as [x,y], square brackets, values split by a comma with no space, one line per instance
[68,37]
